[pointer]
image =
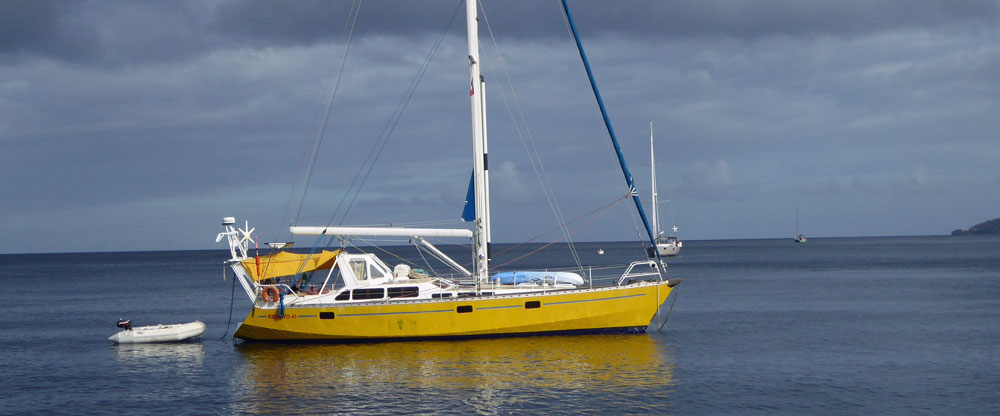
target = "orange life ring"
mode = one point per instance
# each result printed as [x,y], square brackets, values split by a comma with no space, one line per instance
[268,297]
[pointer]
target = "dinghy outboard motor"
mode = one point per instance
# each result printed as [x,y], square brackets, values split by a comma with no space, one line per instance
[125,324]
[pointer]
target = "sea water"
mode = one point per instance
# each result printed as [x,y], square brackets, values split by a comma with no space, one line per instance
[907,325]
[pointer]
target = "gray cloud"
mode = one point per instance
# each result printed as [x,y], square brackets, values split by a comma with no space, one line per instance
[120,33]
[115,115]
[46,28]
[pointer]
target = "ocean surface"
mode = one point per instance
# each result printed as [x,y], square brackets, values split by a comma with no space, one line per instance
[841,326]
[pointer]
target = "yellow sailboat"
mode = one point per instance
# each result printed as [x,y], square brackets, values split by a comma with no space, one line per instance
[362,299]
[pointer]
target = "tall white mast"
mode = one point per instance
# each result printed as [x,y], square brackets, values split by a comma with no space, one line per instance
[480,164]
[486,171]
[652,168]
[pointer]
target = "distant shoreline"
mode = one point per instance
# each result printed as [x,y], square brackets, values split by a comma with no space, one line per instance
[991,227]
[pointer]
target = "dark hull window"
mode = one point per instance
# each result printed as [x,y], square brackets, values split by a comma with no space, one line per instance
[532,304]
[362,294]
[326,315]
[404,292]
[464,309]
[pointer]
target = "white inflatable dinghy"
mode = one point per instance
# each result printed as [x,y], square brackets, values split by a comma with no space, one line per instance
[157,333]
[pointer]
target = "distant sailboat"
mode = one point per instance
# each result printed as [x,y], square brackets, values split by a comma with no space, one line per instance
[800,238]
[667,246]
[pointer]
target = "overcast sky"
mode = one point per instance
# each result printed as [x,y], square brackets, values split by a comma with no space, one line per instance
[138,125]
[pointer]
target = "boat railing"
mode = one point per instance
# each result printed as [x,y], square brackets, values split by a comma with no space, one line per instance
[631,275]
[594,276]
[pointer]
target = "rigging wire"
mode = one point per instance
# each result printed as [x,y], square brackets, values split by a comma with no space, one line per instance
[571,232]
[376,246]
[615,202]
[318,130]
[373,245]
[533,155]
[611,132]
[321,129]
[369,163]
[305,170]
[413,223]
[597,123]
[379,145]
[677,292]
[421,253]
[638,233]
[232,296]
[606,207]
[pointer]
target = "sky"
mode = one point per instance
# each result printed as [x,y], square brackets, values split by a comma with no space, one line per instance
[138,125]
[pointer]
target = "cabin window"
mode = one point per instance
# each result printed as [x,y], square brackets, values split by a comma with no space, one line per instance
[359,269]
[441,295]
[404,292]
[373,293]
[464,309]
[326,315]
[345,295]
[336,281]
[375,272]
[532,304]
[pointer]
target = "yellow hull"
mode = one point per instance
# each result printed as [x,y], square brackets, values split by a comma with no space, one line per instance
[625,308]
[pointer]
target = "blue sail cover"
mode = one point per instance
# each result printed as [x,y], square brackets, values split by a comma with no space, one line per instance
[469,212]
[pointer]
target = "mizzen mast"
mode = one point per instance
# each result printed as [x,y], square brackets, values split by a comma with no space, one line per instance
[652,167]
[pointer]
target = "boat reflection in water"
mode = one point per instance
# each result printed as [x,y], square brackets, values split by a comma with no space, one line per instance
[179,355]
[627,373]
[152,366]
